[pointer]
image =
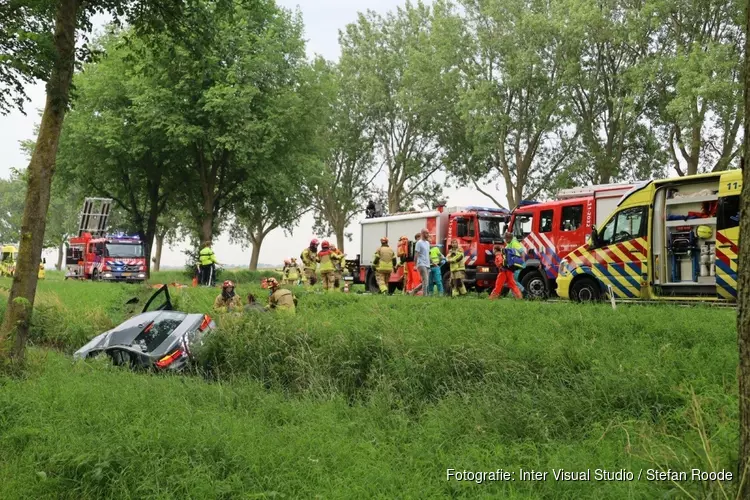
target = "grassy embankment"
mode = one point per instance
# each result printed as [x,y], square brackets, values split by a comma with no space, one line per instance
[362,396]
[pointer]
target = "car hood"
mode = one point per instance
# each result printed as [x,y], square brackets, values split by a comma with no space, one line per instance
[124,334]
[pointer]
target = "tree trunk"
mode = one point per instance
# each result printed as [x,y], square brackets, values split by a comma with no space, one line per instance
[17,320]
[340,237]
[157,255]
[394,200]
[60,256]
[256,243]
[743,286]
[207,227]
[148,237]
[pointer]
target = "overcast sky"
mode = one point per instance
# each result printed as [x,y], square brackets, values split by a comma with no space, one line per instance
[323,19]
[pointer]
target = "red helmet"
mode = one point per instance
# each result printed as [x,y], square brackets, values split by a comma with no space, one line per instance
[227,284]
[325,244]
[287,261]
[314,242]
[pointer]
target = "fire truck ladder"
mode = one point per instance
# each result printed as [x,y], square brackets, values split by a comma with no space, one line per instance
[94,216]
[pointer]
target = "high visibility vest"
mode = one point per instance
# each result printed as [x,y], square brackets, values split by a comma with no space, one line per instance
[206,256]
[435,256]
[326,261]
[515,245]
[383,259]
[456,258]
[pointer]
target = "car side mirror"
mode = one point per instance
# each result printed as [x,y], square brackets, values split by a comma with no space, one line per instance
[593,238]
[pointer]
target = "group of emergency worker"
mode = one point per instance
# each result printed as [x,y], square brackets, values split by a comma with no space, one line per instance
[422,263]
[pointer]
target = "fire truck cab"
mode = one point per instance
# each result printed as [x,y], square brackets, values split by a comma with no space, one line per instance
[549,231]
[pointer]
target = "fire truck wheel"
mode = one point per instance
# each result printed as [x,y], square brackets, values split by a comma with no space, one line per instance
[95,275]
[585,290]
[535,286]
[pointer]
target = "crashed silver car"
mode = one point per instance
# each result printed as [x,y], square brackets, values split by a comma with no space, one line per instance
[159,338]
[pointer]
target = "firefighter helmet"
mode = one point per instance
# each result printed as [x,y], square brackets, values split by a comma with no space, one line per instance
[704,232]
[272,283]
[287,261]
[314,242]
[325,244]
[228,284]
[384,240]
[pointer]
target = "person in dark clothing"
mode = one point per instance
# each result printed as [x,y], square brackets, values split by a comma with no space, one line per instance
[252,304]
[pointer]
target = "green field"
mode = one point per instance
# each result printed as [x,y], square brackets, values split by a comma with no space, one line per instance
[368,396]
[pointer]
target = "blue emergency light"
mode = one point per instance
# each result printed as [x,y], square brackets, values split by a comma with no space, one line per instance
[524,203]
[488,209]
[123,236]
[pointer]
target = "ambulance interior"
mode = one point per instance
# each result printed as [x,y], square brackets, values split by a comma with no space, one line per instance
[684,239]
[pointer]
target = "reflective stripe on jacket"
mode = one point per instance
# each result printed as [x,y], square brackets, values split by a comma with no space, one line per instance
[326,258]
[309,258]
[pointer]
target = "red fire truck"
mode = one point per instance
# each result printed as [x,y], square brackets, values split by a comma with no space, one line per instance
[95,255]
[476,228]
[110,258]
[550,230]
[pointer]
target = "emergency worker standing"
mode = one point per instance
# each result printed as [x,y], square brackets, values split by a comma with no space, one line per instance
[458,269]
[338,263]
[294,273]
[437,259]
[385,263]
[514,245]
[285,271]
[207,261]
[506,260]
[309,258]
[326,259]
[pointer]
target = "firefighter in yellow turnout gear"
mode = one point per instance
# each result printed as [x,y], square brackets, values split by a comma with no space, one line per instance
[281,299]
[385,263]
[309,258]
[338,263]
[294,273]
[458,270]
[327,260]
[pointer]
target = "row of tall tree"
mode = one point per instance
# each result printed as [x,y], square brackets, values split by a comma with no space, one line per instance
[205,116]
[228,127]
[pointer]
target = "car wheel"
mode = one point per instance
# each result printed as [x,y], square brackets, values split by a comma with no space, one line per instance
[585,290]
[95,275]
[535,286]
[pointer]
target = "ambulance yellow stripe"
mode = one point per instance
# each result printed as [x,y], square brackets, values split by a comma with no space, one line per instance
[625,260]
[615,273]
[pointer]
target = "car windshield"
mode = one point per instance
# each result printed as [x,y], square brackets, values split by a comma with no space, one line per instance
[128,250]
[490,229]
[157,331]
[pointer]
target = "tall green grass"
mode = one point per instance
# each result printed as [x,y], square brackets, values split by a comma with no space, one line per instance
[360,396]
